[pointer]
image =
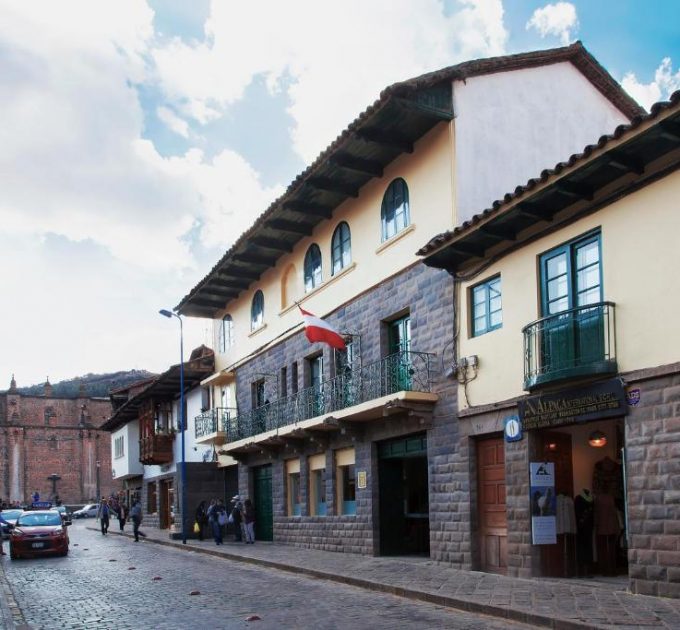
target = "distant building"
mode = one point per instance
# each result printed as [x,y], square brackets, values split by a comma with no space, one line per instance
[42,436]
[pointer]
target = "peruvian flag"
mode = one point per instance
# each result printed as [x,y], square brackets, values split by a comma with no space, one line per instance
[318,330]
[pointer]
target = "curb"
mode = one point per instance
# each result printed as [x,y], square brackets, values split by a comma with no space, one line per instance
[491,610]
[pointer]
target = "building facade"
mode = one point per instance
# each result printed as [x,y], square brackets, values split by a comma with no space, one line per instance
[53,446]
[358,450]
[568,366]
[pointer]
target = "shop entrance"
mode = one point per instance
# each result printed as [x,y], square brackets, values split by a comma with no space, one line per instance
[404,499]
[493,518]
[590,500]
[264,514]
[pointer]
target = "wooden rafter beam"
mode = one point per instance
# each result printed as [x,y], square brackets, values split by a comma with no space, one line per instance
[422,109]
[575,190]
[332,185]
[468,249]
[290,226]
[498,233]
[271,243]
[391,140]
[351,163]
[219,292]
[255,259]
[231,281]
[307,208]
[621,161]
[670,129]
[208,303]
[535,212]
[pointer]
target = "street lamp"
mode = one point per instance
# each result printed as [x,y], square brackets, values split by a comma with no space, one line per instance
[183,468]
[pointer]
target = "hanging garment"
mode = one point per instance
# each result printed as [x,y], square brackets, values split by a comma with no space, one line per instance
[566,515]
[606,516]
[608,478]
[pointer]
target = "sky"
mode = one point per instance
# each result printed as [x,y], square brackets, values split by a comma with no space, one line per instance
[139,139]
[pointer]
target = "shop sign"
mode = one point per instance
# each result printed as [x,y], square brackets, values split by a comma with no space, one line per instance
[543,503]
[512,429]
[602,400]
[633,397]
[361,479]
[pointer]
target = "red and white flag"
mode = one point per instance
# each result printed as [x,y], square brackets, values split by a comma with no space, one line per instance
[316,329]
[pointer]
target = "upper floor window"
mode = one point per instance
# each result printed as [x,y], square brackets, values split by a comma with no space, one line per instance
[395,209]
[312,267]
[341,248]
[257,311]
[487,313]
[226,333]
[119,447]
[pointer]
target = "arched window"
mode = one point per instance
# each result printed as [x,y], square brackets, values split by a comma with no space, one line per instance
[226,333]
[312,267]
[341,248]
[257,311]
[395,211]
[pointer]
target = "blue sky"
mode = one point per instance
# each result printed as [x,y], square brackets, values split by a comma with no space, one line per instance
[140,138]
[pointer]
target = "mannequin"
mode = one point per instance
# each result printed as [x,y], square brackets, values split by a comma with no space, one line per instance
[585,520]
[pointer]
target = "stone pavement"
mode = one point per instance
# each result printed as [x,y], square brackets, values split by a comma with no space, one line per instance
[560,604]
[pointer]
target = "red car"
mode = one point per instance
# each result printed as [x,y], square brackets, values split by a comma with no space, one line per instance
[38,533]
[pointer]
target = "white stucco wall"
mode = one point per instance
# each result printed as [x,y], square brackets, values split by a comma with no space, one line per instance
[128,465]
[512,125]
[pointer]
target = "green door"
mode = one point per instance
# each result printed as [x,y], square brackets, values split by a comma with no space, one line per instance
[571,278]
[264,514]
[399,364]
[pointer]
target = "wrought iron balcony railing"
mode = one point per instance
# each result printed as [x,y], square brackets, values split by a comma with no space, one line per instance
[578,342]
[402,371]
[213,420]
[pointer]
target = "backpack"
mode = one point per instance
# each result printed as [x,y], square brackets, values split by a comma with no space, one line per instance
[222,516]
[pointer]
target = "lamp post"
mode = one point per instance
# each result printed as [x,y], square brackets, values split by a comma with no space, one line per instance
[183,468]
[98,491]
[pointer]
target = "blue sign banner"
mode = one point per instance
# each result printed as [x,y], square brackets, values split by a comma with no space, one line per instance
[512,429]
[40,505]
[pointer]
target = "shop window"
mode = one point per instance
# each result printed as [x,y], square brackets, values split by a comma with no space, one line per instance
[293,483]
[151,498]
[226,333]
[317,485]
[341,248]
[257,311]
[163,421]
[487,313]
[312,267]
[394,213]
[345,479]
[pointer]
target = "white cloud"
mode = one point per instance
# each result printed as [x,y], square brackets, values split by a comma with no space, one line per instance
[664,84]
[173,121]
[332,59]
[557,19]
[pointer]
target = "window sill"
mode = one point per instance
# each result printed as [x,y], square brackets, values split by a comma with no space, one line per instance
[257,330]
[397,237]
[321,287]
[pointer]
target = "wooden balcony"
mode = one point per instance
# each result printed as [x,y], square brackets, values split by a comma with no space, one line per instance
[156,449]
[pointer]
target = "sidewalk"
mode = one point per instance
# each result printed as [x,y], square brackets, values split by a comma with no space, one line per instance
[560,604]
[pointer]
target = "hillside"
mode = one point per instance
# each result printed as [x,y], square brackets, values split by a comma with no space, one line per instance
[96,385]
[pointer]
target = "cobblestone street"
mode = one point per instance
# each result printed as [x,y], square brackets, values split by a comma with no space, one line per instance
[96,587]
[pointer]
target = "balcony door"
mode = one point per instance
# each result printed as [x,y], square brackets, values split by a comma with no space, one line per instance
[347,381]
[315,366]
[571,277]
[399,363]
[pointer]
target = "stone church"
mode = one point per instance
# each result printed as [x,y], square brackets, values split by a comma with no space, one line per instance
[54,446]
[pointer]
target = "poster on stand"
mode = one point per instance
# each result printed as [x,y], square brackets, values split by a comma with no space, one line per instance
[543,503]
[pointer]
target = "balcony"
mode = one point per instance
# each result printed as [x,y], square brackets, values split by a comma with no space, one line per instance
[576,343]
[211,425]
[374,390]
[156,449]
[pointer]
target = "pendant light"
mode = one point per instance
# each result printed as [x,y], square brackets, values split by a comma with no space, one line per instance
[597,439]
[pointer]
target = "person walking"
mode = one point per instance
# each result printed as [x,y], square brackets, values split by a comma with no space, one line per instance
[249,518]
[201,518]
[103,514]
[9,526]
[217,518]
[237,518]
[136,516]
[122,515]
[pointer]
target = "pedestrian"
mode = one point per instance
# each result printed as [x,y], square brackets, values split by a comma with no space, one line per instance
[217,516]
[201,518]
[122,515]
[136,516]
[249,518]
[237,518]
[103,514]
[9,526]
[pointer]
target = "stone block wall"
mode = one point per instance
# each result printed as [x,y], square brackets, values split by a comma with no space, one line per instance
[653,481]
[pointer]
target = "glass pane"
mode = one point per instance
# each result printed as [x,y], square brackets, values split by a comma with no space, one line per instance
[587,254]
[591,296]
[479,325]
[558,306]
[557,288]
[479,294]
[588,278]
[495,304]
[480,309]
[557,265]
[496,319]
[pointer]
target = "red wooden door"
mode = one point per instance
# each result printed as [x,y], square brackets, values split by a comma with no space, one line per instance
[493,519]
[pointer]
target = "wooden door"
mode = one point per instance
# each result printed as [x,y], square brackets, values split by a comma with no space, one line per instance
[493,519]
[165,504]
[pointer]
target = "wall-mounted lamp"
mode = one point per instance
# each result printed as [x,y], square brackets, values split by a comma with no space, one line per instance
[597,439]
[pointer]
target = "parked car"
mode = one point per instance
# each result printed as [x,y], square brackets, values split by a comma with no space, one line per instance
[10,516]
[87,511]
[38,533]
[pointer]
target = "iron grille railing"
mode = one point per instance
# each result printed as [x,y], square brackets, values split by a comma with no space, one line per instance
[402,371]
[213,420]
[578,342]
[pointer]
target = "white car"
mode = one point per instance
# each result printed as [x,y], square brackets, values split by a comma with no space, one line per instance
[87,511]
[11,516]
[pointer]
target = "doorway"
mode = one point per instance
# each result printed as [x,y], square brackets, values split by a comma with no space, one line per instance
[404,496]
[493,517]
[167,498]
[264,513]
